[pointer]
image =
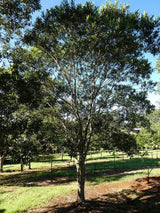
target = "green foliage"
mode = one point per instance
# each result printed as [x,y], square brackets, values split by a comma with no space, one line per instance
[98,55]
[8,105]
[95,60]
[154,118]
[150,137]
[22,93]
[101,50]
[15,15]
[145,138]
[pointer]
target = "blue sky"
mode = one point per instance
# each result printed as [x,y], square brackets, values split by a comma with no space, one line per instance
[152,7]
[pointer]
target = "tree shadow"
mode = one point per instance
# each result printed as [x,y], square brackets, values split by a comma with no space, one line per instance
[1,210]
[64,175]
[126,201]
[124,163]
[89,158]
[39,178]
[107,178]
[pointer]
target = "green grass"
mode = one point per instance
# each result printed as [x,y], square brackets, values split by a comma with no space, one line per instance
[134,163]
[18,199]
[117,178]
[16,196]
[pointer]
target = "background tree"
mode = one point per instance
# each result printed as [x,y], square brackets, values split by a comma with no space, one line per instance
[97,54]
[150,137]
[8,104]
[112,131]
[22,93]
[25,144]
[145,139]
[154,119]
[15,16]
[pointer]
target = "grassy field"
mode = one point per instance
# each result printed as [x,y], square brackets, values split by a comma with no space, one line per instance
[22,190]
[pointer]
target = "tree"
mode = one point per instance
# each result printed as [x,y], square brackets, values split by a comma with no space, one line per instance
[112,132]
[15,16]
[150,137]
[97,54]
[8,105]
[145,139]
[22,92]
[154,119]
[25,144]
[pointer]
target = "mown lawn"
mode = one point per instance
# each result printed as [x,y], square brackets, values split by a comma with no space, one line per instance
[20,191]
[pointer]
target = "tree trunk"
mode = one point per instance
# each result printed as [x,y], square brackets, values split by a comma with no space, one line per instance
[62,155]
[21,165]
[80,165]
[29,165]
[1,163]
[114,160]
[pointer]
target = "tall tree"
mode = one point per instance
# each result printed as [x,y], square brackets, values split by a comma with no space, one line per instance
[25,144]
[98,55]
[8,104]
[21,94]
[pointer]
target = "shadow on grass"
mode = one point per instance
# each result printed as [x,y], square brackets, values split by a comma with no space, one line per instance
[1,210]
[101,158]
[109,178]
[126,201]
[47,178]
[96,172]
[127,163]
[39,178]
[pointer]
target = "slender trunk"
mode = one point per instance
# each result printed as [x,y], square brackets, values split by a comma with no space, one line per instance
[114,160]
[21,165]
[62,155]
[29,165]
[80,165]
[51,171]
[1,163]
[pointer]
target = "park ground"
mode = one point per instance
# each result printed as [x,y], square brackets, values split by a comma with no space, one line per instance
[113,184]
[127,196]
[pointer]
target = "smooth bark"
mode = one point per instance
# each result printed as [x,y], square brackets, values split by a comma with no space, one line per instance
[80,165]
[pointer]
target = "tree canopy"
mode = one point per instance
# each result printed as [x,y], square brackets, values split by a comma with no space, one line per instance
[80,74]
[98,55]
[15,16]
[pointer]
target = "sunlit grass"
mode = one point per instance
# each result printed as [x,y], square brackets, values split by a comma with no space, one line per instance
[16,196]
[19,199]
[45,161]
[125,176]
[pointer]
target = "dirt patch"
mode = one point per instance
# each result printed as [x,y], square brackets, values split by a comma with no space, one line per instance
[128,196]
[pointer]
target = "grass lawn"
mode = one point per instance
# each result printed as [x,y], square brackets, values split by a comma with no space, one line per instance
[20,191]
[18,199]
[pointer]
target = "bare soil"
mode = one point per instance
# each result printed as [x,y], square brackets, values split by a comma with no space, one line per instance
[125,197]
